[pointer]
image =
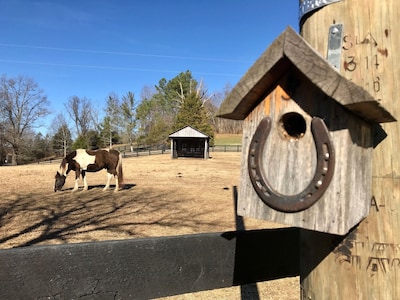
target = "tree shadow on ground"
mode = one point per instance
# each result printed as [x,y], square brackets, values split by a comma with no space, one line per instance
[83,216]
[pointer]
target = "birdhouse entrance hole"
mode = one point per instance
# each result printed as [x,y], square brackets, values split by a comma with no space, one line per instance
[293,125]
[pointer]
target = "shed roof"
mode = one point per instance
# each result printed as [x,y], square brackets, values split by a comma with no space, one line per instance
[288,50]
[188,132]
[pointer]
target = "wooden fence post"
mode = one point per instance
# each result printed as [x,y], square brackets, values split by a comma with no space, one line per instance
[364,264]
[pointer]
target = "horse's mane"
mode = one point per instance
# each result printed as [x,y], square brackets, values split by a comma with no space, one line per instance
[63,166]
[66,160]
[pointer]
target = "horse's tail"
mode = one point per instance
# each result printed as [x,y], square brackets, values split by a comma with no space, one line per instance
[120,173]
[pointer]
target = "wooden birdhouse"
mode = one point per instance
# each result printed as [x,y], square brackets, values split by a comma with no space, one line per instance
[308,137]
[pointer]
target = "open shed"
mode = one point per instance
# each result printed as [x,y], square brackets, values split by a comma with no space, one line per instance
[189,142]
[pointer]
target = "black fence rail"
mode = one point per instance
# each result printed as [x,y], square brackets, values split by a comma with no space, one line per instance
[151,150]
[149,268]
[226,148]
[162,149]
[142,151]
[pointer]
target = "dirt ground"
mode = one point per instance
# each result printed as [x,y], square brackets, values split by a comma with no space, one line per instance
[162,197]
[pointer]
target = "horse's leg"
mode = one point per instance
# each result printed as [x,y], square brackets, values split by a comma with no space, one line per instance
[85,185]
[77,174]
[116,184]
[109,176]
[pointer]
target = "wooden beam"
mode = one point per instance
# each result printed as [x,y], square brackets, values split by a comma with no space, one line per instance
[148,268]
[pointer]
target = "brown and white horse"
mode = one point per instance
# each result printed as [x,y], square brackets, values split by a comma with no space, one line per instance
[82,161]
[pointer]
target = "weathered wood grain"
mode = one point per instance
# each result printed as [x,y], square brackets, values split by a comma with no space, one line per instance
[287,50]
[366,263]
[289,164]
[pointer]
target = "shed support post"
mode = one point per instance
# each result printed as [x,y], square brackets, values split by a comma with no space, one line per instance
[365,263]
[172,148]
[205,149]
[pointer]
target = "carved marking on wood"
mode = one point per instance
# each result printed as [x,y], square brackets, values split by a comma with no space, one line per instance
[375,204]
[381,257]
[368,64]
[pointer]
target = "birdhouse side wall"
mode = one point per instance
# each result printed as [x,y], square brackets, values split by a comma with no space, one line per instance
[289,164]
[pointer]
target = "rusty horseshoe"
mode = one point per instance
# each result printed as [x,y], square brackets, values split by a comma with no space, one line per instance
[322,177]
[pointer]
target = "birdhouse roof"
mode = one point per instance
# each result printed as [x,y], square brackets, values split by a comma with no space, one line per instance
[188,132]
[289,50]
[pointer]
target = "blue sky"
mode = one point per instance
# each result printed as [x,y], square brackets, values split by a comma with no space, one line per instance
[94,47]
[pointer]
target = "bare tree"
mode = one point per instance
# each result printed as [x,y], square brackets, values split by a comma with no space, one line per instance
[147,92]
[113,116]
[81,112]
[61,141]
[223,125]
[128,108]
[22,105]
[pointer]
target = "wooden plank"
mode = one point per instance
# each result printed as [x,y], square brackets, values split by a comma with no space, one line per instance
[148,268]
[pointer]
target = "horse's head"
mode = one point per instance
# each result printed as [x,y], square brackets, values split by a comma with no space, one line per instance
[60,181]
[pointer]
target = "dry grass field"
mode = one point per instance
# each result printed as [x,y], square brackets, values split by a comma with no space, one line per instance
[162,197]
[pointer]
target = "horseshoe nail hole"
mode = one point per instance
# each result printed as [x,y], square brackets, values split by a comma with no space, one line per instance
[293,125]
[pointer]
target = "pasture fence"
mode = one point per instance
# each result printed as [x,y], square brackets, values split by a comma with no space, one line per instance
[150,150]
[226,148]
[163,149]
[149,267]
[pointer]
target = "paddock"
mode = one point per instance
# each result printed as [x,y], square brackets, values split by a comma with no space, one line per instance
[163,197]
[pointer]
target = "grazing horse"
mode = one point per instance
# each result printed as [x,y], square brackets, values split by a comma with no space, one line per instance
[82,161]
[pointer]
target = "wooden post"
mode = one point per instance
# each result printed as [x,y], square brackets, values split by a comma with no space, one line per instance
[364,264]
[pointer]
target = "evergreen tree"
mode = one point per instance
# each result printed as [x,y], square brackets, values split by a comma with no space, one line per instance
[80,143]
[156,116]
[90,140]
[192,113]
[107,135]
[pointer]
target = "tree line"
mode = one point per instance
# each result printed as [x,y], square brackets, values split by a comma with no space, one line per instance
[168,106]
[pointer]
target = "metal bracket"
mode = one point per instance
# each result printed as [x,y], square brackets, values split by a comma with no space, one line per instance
[319,183]
[335,45]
